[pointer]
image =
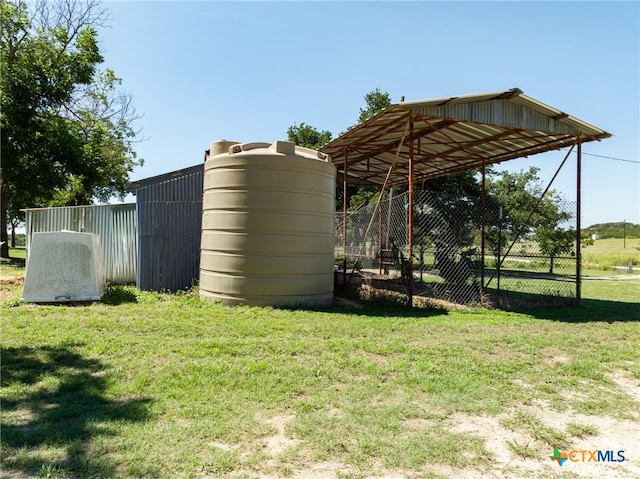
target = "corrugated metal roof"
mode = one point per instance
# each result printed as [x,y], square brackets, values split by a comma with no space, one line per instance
[454,134]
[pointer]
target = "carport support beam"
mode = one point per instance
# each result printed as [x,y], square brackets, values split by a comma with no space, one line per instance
[484,223]
[410,213]
[578,220]
[345,203]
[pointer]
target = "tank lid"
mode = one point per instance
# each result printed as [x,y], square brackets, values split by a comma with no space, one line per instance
[281,147]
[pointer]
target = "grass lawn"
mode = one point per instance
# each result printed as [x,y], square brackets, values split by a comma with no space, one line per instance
[611,252]
[147,385]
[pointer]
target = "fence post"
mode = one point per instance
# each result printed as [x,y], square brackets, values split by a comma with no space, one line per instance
[410,211]
[578,232]
[483,220]
[345,203]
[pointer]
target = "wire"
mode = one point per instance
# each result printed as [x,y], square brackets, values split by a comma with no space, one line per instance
[611,158]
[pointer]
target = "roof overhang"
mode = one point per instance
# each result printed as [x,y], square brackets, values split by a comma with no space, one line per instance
[133,186]
[451,135]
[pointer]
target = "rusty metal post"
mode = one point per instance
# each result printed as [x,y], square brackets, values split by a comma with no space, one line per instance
[387,245]
[578,225]
[380,239]
[483,199]
[345,204]
[410,212]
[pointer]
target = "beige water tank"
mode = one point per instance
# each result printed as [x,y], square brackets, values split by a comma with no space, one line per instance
[268,225]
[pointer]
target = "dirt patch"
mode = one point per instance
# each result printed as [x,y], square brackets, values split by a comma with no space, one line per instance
[17,280]
[277,444]
[613,435]
[505,445]
[556,359]
[628,384]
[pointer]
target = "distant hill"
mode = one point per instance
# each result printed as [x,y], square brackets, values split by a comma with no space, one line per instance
[614,230]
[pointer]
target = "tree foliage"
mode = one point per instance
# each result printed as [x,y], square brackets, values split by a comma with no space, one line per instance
[311,137]
[512,196]
[308,136]
[67,135]
[375,102]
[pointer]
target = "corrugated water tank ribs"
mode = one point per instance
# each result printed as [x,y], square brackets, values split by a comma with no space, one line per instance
[267,225]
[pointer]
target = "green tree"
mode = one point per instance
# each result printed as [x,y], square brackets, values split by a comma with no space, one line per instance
[67,135]
[554,241]
[311,137]
[375,101]
[308,136]
[512,196]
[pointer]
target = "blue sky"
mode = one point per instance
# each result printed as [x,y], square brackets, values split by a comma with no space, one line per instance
[246,71]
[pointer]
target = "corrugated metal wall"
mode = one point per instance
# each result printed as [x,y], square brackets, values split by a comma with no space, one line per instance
[169,220]
[116,225]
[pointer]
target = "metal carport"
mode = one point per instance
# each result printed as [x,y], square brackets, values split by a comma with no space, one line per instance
[413,141]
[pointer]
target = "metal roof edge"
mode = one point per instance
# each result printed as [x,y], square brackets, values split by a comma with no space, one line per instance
[515,95]
[501,94]
[132,186]
[47,208]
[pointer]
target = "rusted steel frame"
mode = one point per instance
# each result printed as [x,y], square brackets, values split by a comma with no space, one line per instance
[380,240]
[553,144]
[480,141]
[535,208]
[410,213]
[483,220]
[459,163]
[345,203]
[384,187]
[336,146]
[442,130]
[389,127]
[373,168]
[387,243]
[510,153]
[436,159]
[578,221]
[386,147]
[476,164]
[505,142]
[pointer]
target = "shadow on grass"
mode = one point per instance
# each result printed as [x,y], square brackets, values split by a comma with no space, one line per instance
[559,308]
[54,407]
[591,310]
[15,263]
[118,295]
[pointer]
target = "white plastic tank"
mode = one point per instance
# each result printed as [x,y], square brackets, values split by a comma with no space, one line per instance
[64,266]
[268,225]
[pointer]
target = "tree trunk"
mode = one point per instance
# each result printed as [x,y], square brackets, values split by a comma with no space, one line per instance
[13,235]
[551,265]
[4,238]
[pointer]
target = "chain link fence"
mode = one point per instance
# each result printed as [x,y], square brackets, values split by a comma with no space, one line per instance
[533,268]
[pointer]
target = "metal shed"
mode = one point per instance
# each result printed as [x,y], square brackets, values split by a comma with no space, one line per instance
[169,219]
[115,224]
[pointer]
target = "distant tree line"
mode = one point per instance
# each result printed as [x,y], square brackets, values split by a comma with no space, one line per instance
[614,230]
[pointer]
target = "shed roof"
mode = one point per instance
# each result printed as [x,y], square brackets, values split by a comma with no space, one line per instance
[135,185]
[455,134]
